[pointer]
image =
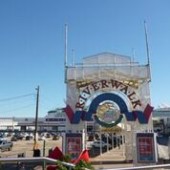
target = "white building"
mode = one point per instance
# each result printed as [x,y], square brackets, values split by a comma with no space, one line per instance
[55,120]
[7,123]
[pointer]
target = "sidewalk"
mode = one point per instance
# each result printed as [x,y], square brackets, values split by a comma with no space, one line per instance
[101,163]
[112,166]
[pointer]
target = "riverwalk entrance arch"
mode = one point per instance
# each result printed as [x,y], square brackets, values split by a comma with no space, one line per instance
[110,94]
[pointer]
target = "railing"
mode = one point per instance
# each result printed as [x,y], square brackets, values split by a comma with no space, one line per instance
[41,161]
[166,166]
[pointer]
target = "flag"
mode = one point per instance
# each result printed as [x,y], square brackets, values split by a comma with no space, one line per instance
[83,156]
[56,154]
[69,112]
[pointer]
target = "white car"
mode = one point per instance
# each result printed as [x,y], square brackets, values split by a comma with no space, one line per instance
[89,144]
[99,143]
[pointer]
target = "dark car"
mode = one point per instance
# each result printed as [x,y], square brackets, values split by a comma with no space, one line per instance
[16,137]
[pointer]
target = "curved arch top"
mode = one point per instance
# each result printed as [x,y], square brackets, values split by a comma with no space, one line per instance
[106,96]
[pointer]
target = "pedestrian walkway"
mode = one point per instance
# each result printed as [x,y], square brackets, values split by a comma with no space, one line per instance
[114,158]
[114,155]
[112,166]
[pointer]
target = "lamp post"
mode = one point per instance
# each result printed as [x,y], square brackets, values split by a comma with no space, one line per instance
[36,120]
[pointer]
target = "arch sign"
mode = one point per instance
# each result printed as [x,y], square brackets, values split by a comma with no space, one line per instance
[105,90]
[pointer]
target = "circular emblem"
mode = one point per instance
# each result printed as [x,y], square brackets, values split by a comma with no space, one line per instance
[108,114]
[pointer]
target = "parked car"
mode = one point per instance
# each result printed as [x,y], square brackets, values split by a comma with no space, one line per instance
[17,137]
[29,137]
[89,144]
[5,145]
[99,143]
[56,137]
[41,137]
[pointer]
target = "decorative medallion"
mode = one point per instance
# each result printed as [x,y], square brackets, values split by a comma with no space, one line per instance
[108,115]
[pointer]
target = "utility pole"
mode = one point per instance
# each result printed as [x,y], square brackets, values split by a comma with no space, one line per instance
[36,120]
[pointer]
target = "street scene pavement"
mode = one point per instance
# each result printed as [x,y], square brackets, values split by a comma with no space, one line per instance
[24,148]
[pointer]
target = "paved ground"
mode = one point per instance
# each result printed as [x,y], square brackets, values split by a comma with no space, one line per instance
[112,166]
[25,148]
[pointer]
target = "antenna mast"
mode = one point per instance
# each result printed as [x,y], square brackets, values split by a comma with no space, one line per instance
[66,30]
[65,57]
[147,46]
[73,55]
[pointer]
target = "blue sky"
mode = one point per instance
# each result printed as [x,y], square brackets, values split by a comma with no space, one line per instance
[32,46]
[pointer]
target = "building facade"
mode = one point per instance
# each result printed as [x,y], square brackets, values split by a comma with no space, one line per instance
[55,120]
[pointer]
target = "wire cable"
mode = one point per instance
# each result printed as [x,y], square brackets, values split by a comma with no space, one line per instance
[17,97]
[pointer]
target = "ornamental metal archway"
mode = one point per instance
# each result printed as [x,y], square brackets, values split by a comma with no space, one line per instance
[108,90]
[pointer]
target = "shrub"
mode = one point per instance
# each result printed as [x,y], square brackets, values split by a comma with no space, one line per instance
[81,165]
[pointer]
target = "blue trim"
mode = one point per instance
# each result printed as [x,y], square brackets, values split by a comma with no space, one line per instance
[106,96]
[130,116]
